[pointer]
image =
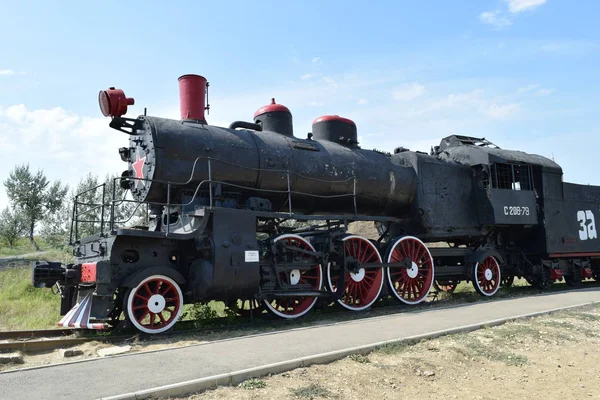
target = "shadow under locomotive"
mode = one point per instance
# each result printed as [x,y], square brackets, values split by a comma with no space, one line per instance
[259,215]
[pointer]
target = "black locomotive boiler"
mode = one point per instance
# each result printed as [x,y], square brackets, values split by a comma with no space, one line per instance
[255,213]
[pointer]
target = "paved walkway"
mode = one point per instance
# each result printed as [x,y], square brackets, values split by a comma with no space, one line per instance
[112,376]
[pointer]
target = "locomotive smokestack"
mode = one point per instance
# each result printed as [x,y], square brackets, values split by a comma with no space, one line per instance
[192,97]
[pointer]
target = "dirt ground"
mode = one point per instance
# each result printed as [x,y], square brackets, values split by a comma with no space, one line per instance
[549,357]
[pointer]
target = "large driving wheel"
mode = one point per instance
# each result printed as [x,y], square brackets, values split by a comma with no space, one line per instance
[247,307]
[411,283]
[361,288]
[154,306]
[294,307]
[447,286]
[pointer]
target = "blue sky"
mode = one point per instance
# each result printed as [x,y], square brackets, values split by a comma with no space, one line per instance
[522,73]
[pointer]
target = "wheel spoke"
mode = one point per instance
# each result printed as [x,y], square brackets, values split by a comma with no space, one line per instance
[148,289]
[141,297]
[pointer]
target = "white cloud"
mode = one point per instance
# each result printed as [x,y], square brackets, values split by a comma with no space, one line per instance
[457,99]
[308,76]
[554,47]
[495,18]
[7,72]
[64,145]
[408,92]
[568,47]
[362,102]
[535,89]
[475,102]
[499,111]
[517,6]
[330,81]
[317,61]
[498,18]
[544,92]
[528,88]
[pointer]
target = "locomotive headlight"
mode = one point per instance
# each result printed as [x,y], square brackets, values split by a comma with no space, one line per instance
[113,102]
[104,103]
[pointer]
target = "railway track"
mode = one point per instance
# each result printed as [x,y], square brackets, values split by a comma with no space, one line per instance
[40,333]
[43,339]
[32,341]
[33,346]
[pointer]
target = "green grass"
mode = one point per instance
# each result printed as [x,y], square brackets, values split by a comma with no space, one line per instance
[253,383]
[24,307]
[473,348]
[397,347]
[23,246]
[311,391]
[585,316]
[359,358]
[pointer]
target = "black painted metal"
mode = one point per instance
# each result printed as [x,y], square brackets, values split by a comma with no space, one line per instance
[276,121]
[337,130]
[245,125]
[177,152]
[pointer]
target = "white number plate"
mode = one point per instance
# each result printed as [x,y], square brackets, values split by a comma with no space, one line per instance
[516,210]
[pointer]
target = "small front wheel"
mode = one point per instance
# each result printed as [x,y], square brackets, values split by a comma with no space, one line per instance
[487,277]
[155,304]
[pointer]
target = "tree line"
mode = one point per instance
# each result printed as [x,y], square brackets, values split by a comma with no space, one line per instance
[41,207]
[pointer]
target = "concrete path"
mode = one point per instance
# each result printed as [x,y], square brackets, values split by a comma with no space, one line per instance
[125,374]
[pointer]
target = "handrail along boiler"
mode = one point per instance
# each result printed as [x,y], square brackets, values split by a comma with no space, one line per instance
[253,213]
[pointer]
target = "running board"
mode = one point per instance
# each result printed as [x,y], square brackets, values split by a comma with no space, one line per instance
[79,316]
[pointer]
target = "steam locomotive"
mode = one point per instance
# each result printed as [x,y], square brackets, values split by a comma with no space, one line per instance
[254,213]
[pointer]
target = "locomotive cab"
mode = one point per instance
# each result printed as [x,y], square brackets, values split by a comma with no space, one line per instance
[511,193]
[507,183]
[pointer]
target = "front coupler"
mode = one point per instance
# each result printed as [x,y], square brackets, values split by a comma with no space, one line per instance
[47,274]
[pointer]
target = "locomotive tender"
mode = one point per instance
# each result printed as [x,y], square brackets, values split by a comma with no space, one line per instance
[254,213]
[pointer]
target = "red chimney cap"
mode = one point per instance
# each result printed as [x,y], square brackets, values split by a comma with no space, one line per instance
[273,107]
[326,118]
[192,97]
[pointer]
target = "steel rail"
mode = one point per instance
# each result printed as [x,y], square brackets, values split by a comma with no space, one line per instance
[54,344]
[36,333]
